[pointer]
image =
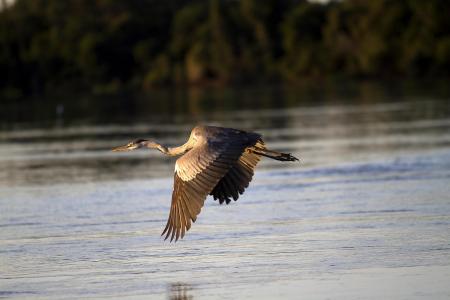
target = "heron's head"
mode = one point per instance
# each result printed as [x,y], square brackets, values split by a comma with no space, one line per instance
[133,145]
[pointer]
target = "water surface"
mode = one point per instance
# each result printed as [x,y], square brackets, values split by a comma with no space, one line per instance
[365,215]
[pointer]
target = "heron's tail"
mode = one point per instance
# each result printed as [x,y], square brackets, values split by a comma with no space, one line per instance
[273,154]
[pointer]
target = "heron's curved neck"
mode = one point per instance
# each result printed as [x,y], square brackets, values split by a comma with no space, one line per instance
[171,151]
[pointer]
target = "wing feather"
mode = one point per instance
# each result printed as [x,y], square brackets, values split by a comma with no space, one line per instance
[187,215]
[237,178]
[180,224]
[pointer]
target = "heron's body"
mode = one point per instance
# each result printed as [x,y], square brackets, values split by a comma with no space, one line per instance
[215,161]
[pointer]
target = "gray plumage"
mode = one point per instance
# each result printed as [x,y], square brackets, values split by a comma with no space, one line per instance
[215,161]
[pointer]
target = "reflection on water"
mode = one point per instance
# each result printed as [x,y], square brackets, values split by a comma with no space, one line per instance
[180,291]
[200,104]
[367,208]
[321,135]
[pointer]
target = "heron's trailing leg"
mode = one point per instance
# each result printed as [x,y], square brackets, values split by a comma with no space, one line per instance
[273,154]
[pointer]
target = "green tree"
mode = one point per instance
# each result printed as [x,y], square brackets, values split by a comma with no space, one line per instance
[302,41]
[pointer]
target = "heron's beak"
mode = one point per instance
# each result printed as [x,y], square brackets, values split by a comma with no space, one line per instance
[123,148]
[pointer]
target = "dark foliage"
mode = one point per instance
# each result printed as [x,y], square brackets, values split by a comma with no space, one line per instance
[108,45]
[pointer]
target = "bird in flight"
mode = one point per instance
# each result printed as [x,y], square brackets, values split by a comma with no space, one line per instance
[214,161]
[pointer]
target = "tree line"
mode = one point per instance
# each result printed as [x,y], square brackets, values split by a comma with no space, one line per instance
[109,45]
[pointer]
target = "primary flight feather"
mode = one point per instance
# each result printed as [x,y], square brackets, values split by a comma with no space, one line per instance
[215,161]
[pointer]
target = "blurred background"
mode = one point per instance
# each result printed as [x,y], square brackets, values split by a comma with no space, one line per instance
[358,89]
[97,73]
[107,46]
[71,49]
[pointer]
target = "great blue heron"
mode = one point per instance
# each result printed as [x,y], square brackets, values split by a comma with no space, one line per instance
[216,161]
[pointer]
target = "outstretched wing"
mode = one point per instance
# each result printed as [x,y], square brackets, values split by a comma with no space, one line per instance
[197,173]
[237,178]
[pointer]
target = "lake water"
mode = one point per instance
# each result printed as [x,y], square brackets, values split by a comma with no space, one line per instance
[365,215]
